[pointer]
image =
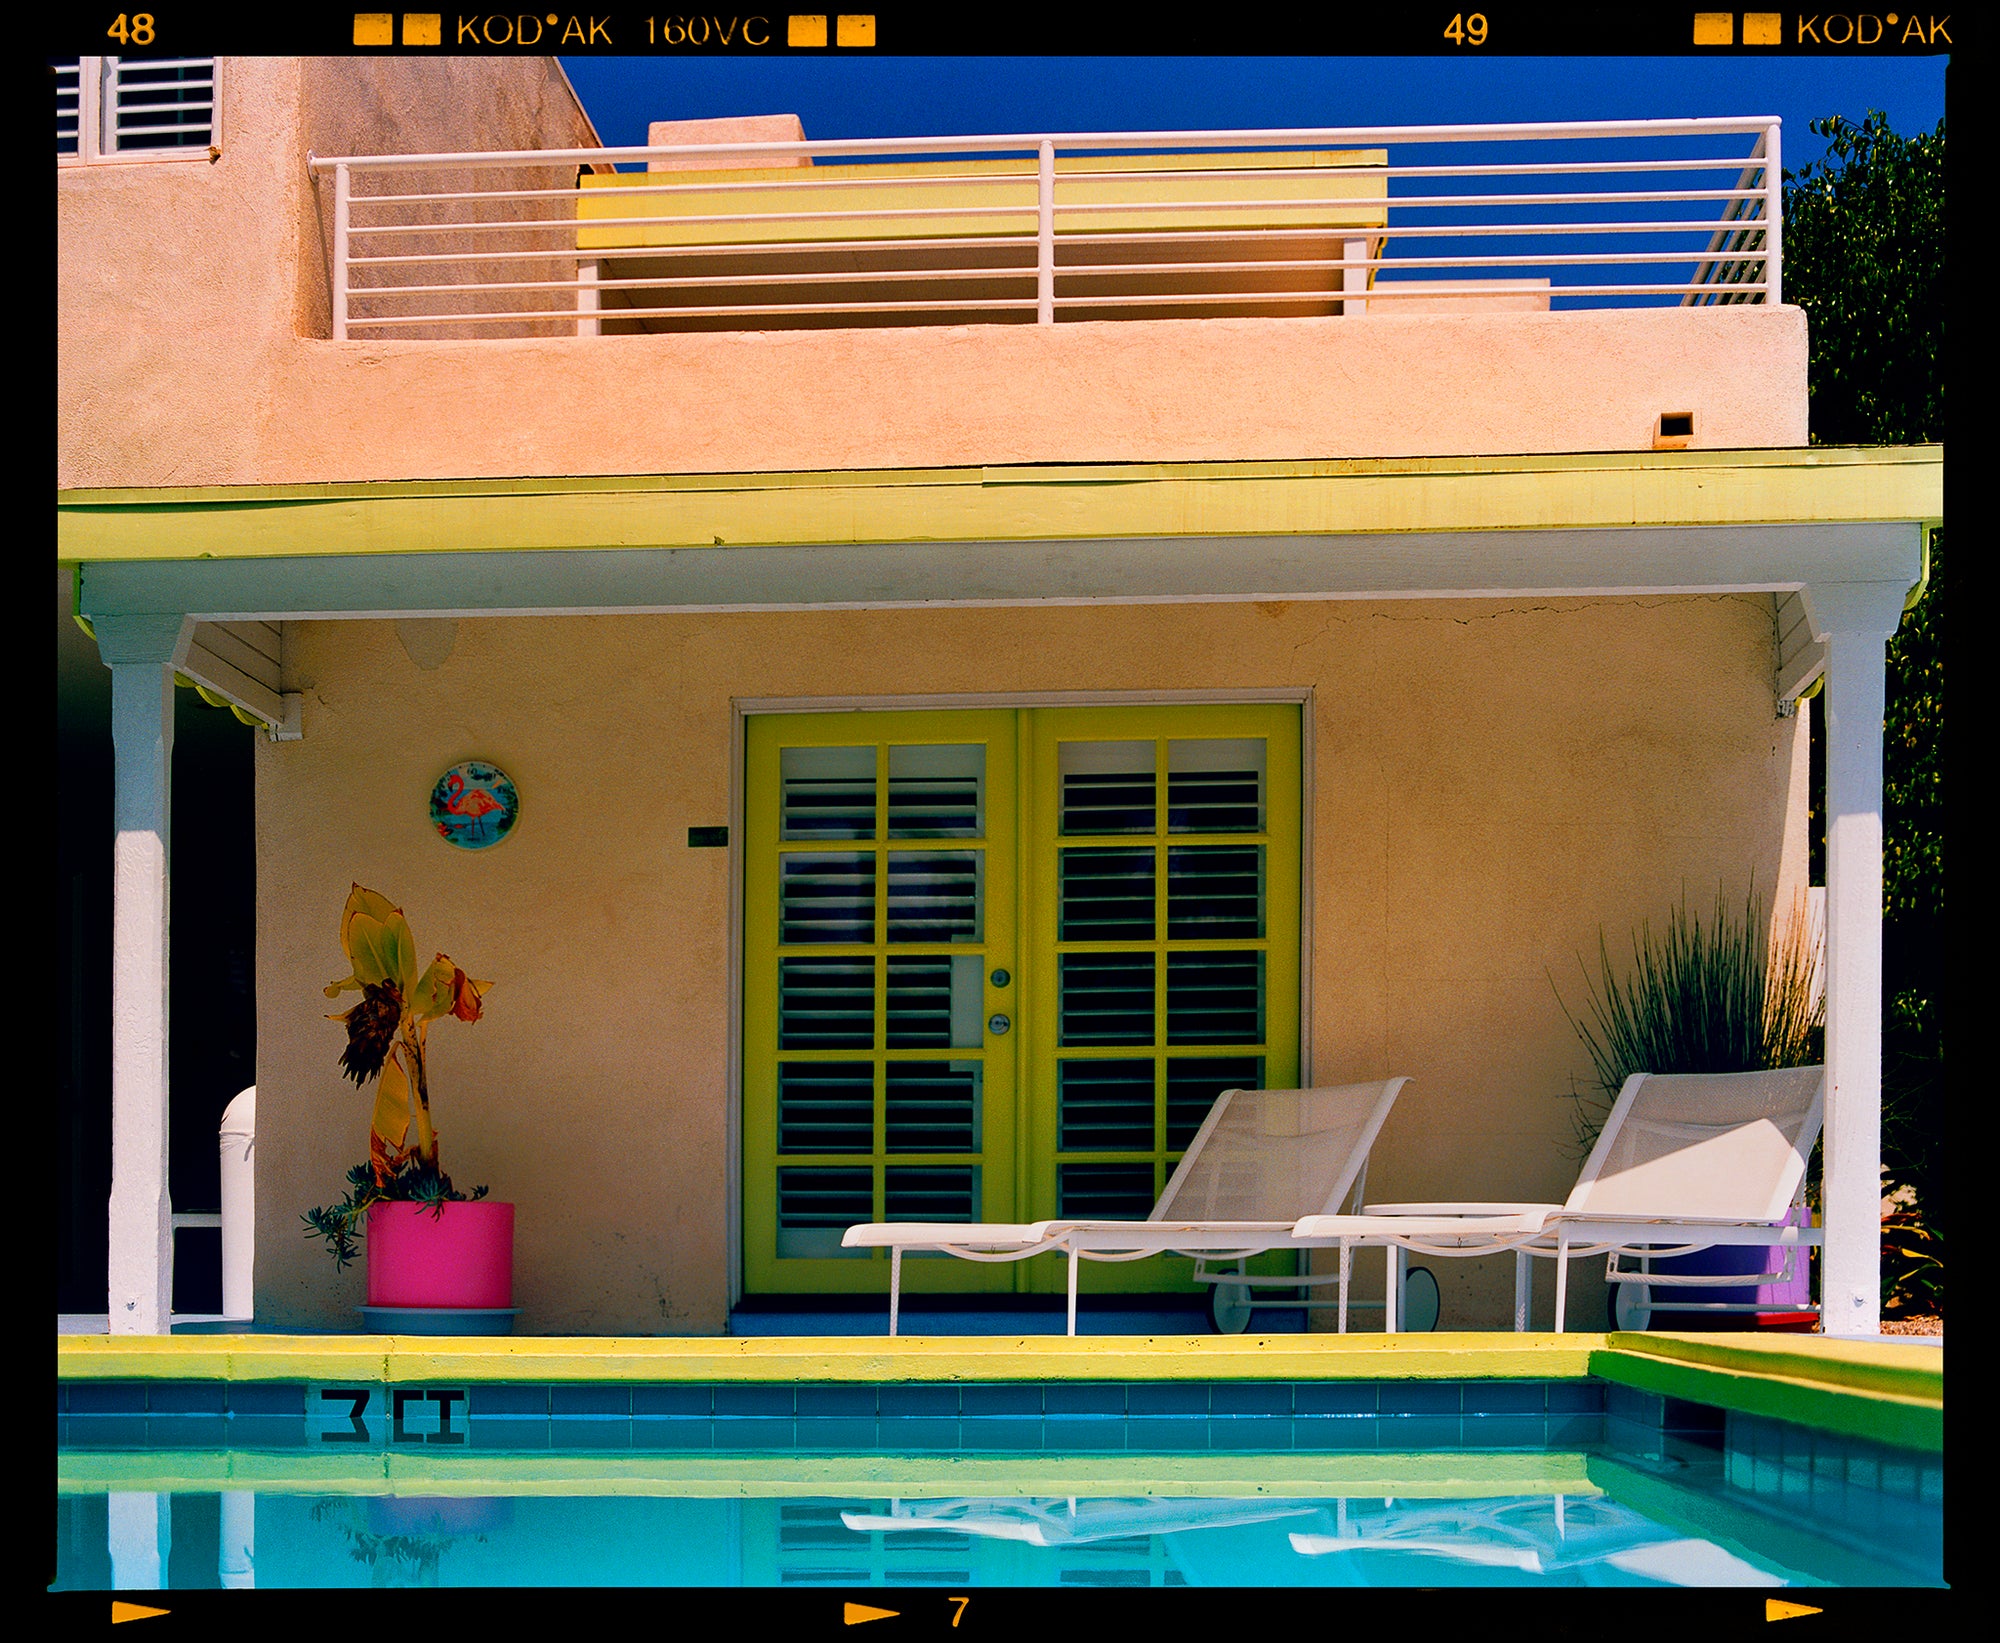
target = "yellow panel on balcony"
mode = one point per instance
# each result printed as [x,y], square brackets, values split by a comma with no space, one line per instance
[1154,193]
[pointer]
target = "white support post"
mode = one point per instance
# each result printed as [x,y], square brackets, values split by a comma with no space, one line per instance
[1392,1289]
[1523,1289]
[1045,239]
[141,652]
[1073,1260]
[1353,280]
[1856,620]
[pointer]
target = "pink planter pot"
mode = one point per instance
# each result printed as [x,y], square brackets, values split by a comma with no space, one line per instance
[463,1257]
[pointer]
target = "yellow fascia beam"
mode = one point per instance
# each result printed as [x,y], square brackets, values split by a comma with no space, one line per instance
[1171,193]
[413,1359]
[1111,501]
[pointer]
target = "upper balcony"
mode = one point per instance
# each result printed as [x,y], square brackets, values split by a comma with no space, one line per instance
[1051,229]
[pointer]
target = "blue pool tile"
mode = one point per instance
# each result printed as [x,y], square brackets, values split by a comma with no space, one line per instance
[1084,1398]
[189,1431]
[1864,1470]
[509,1434]
[673,1400]
[1001,1432]
[1021,1400]
[753,1400]
[107,1398]
[1336,1398]
[1420,1398]
[1409,1433]
[266,1398]
[186,1398]
[1167,1398]
[901,1434]
[1086,1435]
[1575,1397]
[1505,1397]
[835,1432]
[508,1400]
[1504,1431]
[1566,1431]
[1164,1434]
[903,1402]
[1679,1415]
[850,1402]
[1625,1403]
[1899,1477]
[267,1431]
[587,1432]
[1251,1398]
[1335,1433]
[107,1431]
[1930,1485]
[1260,1432]
[754,1432]
[590,1400]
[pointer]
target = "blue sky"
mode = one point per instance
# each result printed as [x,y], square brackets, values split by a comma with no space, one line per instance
[913,96]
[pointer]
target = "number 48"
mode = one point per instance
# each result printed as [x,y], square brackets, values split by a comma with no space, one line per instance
[1465,30]
[139,31]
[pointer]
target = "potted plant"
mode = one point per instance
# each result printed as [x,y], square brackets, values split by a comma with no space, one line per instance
[1714,999]
[439,1260]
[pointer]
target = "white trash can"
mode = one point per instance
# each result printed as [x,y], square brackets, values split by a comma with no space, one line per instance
[237,1139]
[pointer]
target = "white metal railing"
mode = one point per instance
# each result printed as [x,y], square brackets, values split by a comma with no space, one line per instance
[1032,229]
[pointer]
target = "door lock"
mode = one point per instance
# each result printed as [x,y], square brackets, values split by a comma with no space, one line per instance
[999,1024]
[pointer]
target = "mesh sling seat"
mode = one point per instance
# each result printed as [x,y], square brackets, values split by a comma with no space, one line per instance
[1261,1160]
[1685,1161]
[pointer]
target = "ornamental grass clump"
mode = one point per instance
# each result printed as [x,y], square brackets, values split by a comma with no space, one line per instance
[1717,998]
[387,1040]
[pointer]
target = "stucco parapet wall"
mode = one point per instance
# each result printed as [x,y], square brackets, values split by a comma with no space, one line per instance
[899,397]
[1085,502]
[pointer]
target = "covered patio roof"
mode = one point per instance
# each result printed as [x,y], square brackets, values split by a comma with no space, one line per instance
[1835,537]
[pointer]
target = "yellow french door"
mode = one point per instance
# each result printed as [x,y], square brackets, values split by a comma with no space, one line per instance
[1163,933]
[998,964]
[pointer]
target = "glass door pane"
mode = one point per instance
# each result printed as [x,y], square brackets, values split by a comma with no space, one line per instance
[878,1057]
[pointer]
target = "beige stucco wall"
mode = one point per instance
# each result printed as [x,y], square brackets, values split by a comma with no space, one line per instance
[1491,783]
[193,333]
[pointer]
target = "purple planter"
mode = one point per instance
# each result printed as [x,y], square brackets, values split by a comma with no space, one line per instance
[1784,1297]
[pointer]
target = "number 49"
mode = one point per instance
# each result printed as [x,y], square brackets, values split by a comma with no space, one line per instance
[1465,30]
[139,31]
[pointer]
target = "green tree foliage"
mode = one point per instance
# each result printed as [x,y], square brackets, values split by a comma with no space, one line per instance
[1864,255]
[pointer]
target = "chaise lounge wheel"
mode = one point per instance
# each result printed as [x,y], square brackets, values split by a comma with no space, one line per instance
[1420,1299]
[1631,1306]
[1229,1308]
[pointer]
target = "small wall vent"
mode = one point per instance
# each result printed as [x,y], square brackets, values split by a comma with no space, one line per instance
[1674,432]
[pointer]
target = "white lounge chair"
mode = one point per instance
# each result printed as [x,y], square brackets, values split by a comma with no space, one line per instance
[1685,1161]
[1260,1161]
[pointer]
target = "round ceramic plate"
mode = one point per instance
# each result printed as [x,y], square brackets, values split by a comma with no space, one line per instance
[474,805]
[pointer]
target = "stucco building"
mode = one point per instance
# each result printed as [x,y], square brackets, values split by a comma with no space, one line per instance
[963,715]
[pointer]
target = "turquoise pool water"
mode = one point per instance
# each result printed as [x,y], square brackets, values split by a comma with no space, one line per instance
[1633,1492]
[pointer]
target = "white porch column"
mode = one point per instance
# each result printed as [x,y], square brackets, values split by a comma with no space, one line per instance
[1856,620]
[141,652]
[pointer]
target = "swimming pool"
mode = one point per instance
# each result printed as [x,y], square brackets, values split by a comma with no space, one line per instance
[1557,1482]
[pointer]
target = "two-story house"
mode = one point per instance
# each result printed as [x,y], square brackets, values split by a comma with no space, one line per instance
[992,642]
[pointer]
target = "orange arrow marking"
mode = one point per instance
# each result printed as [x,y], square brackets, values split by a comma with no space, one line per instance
[131,1611]
[859,1614]
[1776,1609]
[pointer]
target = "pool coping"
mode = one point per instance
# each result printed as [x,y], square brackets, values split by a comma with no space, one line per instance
[1880,1390]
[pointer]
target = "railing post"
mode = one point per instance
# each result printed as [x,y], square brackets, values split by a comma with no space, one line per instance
[1774,216]
[1353,280]
[1045,236]
[588,298]
[340,187]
